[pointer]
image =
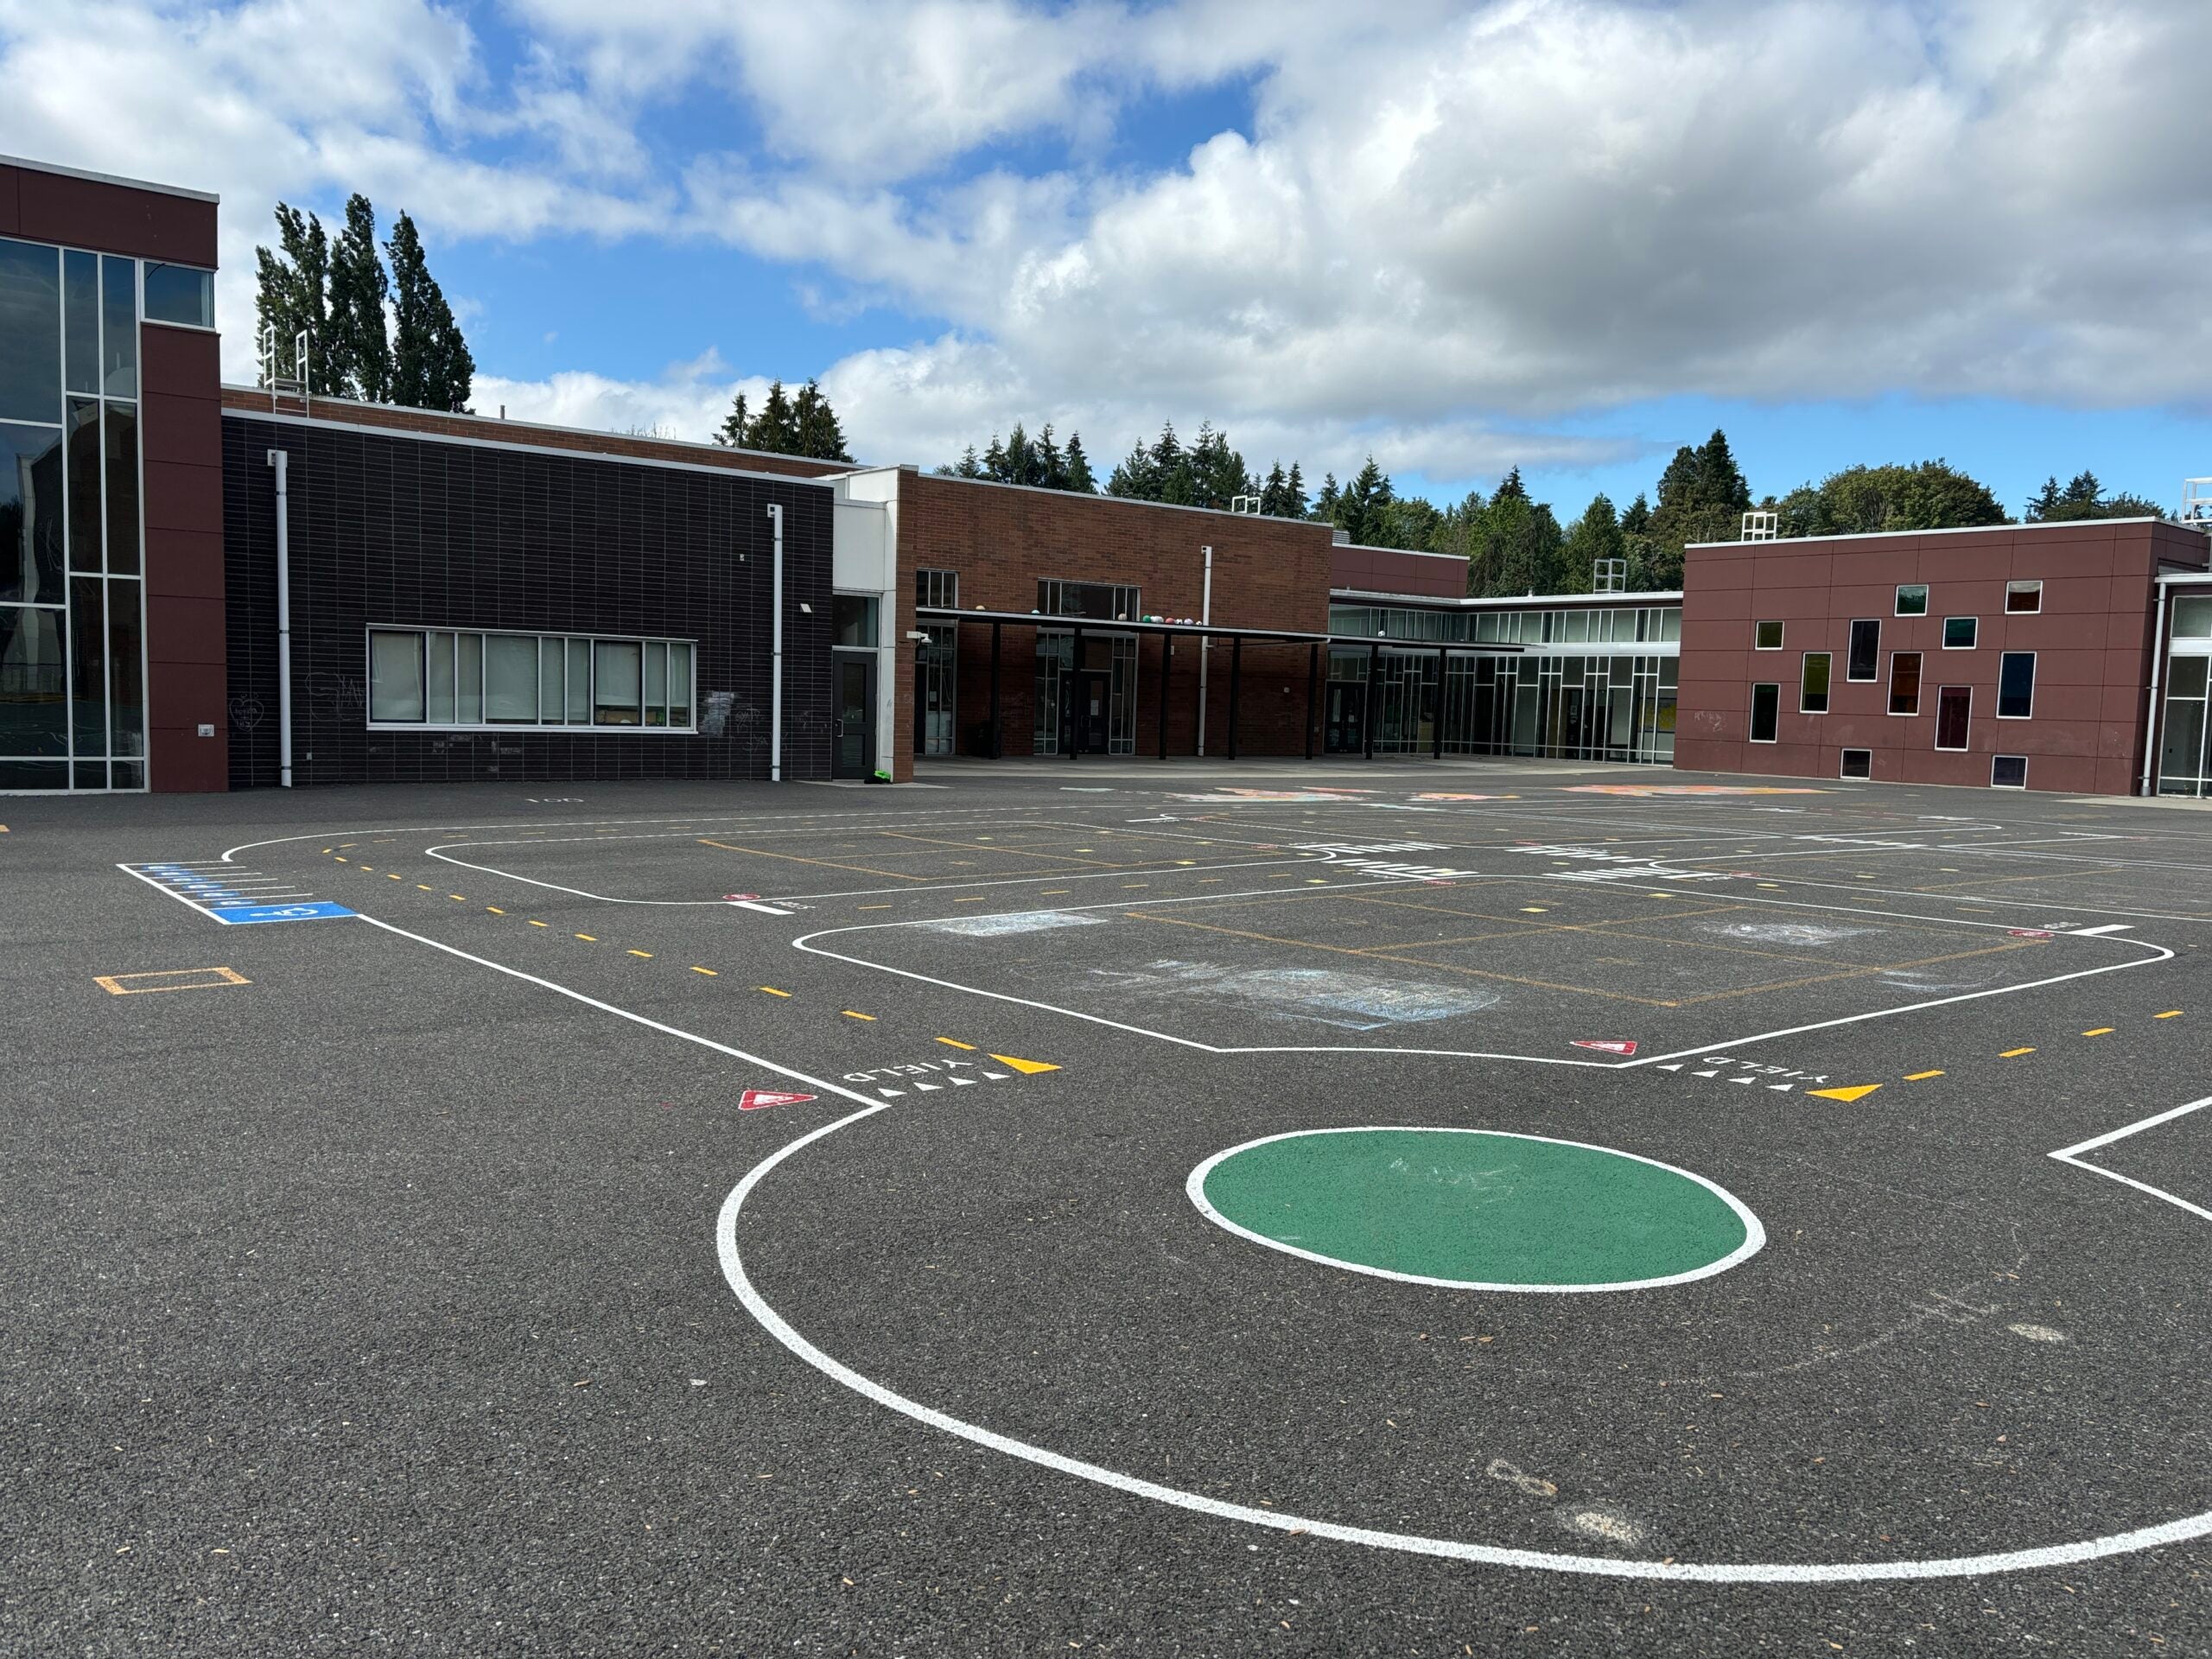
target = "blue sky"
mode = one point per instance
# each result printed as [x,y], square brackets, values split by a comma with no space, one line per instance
[1565,234]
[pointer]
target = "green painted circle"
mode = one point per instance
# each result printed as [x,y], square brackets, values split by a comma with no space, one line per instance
[1477,1209]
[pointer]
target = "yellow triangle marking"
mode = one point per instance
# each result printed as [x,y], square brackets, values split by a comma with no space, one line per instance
[1859,1093]
[1026,1067]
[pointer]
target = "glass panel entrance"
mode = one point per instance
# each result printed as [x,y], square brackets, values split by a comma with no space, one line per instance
[853,747]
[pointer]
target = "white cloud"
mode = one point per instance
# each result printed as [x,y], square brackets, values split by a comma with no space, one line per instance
[1443,229]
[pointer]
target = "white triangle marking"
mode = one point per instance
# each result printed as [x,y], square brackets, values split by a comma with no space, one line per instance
[1675,1067]
[891,1094]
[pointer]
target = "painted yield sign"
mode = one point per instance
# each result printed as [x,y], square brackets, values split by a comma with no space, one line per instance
[754,1099]
[1607,1045]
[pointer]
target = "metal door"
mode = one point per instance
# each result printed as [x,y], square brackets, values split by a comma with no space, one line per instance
[853,708]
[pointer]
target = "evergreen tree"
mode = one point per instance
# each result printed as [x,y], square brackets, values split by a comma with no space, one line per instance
[1596,534]
[731,434]
[1357,509]
[431,365]
[2084,498]
[994,459]
[1511,488]
[1137,477]
[816,431]
[1862,500]
[1407,521]
[966,466]
[774,430]
[1325,504]
[292,295]
[1295,500]
[359,348]
[1702,498]
[1076,468]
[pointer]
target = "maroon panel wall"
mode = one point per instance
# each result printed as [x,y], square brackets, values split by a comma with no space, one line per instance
[185,666]
[2091,640]
[1388,570]
[111,218]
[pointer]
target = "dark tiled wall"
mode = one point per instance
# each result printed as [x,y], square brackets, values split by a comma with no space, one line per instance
[400,531]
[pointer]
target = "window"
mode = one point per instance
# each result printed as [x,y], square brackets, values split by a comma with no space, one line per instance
[119,326]
[2023,599]
[2193,618]
[1960,633]
[1766,712]
[1767,636]
[1858,763]
[30,333]
[1813,683]
[179,293]
[1102,602]
[1954,715]
[854,618]
[1912,599]
[1904,681]
[442,677]
[1865,659]
[939,589]
[2008,771]
[2016,685]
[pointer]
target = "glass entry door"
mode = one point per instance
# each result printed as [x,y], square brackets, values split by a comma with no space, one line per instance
[853,705]
[1086,714]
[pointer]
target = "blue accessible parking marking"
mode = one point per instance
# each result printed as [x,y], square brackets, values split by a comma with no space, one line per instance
[235,915]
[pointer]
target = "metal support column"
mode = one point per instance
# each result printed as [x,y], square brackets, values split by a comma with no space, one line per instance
[1440,652]
[1312,673]
[1235,678]
[1367,720]
[998,747]
[1072,696]
[1167,662]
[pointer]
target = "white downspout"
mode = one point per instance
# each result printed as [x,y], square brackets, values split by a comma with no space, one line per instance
[1205,614]
[2161,596]
[776,654]
[279,459]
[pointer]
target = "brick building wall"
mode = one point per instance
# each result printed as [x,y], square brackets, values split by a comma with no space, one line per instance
[2091,638]
[405,531]
[1267,573]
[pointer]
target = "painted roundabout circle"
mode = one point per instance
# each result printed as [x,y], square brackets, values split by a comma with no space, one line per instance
[1672,1569]
[1476,1209]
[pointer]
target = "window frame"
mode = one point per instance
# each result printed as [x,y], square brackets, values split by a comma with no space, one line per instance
[1973,622]
[945,584]
[2003,659]
[2024,588]
[1844,775]
[1965,744]
[1775,735]
[1873,674]
[425,634]
[1920,588]
[146,266]
[1827,682]
[1919,683]
[1780,633]
[1997,761]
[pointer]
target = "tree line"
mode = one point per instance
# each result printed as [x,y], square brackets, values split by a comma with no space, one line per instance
[1514,543]
[379,335]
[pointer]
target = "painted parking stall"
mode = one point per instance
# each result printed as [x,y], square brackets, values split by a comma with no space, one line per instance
[236,897]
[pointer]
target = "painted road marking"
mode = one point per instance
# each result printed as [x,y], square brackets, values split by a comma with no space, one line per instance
[770,990]
[1920,1077]
[710,972]
[850,1015]
[766,910]
[954,1042]
[2099,1031]
[1028,1068]
[1860,1092]
[2014,1053]
[2170,1014]
[2109,927]
[186,979]
[646,954]
[2073,1155]
[242,898]
[587,938]
[753,1100]
[932,1076]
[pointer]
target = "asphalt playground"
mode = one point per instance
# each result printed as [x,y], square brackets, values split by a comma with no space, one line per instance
[1398,1208]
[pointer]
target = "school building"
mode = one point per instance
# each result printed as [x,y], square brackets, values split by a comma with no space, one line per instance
[210,587]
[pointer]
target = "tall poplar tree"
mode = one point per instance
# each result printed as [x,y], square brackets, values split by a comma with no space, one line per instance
[358,347]
[292,295]
[431,364]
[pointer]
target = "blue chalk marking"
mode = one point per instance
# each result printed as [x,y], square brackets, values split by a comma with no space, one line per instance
[240,915]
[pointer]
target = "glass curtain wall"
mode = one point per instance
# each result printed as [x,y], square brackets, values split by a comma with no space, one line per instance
[1111,657]
[1616,707]
[73,699]
[936,662]
[2185,733]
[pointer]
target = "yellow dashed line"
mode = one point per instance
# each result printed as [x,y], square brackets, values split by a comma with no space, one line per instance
[367,869]
[876,906]
[2014,1053]
[2098,1031]
[1920,1077]
[344,860]
[391,878]
[968,901]
[587,938]
[850,1015]
[425,887]
[457,898]
[2170,1014]
[708,972]
[954,1042]
[771,990]
[495,910]
[538,924]
[646,954]
[1054,893]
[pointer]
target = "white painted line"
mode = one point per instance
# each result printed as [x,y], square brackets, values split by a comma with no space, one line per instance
[163,887]
[1954,1566]
[1754,1234]
[2109,927]
[766,910]
[2072,1155]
